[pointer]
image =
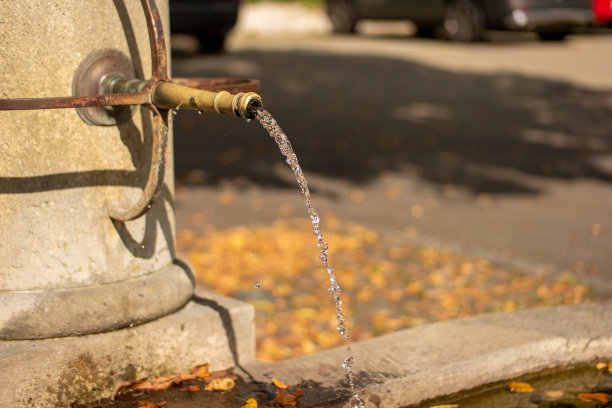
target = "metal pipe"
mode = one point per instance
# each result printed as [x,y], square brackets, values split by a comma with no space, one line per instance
[167,95]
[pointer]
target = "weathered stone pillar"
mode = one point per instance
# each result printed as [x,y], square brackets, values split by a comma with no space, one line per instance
[66,268]
[87,303]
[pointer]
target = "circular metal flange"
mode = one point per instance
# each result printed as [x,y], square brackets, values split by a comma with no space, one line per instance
[88,81]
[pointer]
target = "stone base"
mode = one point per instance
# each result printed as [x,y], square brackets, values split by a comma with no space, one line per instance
[46,314]
[56,372]
[415,365]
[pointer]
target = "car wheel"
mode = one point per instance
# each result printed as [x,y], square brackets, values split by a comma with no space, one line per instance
[426,31]
[343,15]
[211,44]
[464,20]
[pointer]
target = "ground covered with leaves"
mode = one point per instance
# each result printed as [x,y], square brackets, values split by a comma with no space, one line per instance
[388,282]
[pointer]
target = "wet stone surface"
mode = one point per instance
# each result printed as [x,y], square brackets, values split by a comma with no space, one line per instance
[191,394]
[308,394]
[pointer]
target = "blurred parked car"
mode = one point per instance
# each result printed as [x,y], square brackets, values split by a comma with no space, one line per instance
[467,20]
[208,20]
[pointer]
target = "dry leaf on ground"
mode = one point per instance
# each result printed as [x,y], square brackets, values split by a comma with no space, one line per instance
[250,403]
[446,406]
[220,384]
[604,366]
[520,387]
[163,383]
[553,393]
[201,371]
[597,396]
[148,404]
[158,384]
[409,284]
[218,375]
[279,384]
[193,388]
[288,399]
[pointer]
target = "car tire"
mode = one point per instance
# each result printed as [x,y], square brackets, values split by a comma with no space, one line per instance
[426,31]
[343,16]
[211,43]
[464,20]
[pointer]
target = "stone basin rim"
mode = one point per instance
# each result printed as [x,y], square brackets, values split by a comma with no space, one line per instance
[432,361]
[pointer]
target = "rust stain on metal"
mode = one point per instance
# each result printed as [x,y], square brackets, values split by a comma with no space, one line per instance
[75,102]
[159,56]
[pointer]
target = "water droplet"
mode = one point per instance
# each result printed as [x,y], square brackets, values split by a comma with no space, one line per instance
[256,285]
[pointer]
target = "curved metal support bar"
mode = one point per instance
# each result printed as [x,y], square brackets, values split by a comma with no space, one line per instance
[159,56]
[159,151]
[157,170]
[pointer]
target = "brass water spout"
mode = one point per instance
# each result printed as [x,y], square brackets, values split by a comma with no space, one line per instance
[168,95]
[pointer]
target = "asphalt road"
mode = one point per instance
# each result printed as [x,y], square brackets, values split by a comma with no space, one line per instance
[501,149]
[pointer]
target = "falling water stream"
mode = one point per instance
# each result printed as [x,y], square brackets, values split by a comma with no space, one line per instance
[282,141]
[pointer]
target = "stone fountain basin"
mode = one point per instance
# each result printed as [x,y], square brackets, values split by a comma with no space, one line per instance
[431,361]
[396,370]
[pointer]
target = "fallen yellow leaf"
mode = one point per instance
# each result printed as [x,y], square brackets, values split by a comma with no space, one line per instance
[279,384]
[597,396]
[250,403]
[553,393]
[158,384]
[446,406]
[604,366]
[147,404]
[288,399]
[520,387]
[220,384]
[201,371]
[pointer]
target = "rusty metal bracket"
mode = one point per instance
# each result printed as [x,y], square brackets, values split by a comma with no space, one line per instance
[112,63]
[159,151]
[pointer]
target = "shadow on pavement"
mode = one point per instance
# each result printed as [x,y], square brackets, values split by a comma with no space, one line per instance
[355,118]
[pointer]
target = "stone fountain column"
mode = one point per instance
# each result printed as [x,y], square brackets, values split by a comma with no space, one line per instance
[67,270]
